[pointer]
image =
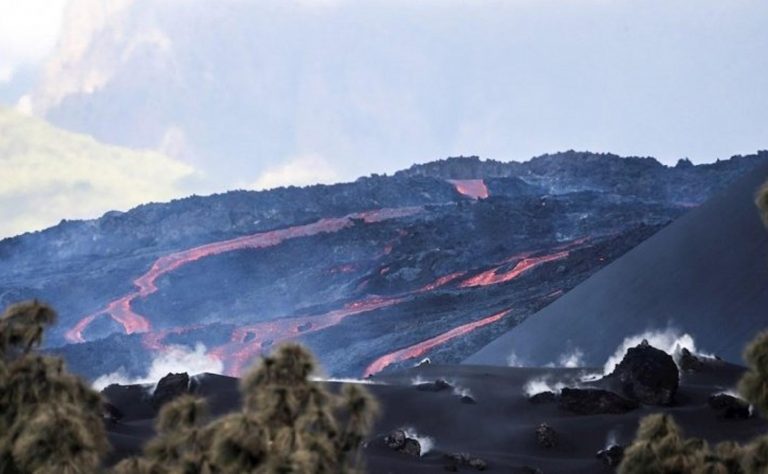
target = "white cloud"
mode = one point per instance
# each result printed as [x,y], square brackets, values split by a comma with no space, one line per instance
[47,175]
[28,32]
[301,170]
[176,359]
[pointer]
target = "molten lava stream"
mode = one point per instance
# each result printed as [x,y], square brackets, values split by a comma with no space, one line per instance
[120,309]
[472,188]
[240,351]
[418,350]
[494,276]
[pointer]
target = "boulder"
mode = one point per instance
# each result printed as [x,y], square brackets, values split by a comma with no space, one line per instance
[437,386]
[594,401]
[111,413]
[543,397]
[399,441]
[690,362]
[648,375]
[611,456]
[457,460]
[170,387]
[729,407]
[468,399]
[546,436]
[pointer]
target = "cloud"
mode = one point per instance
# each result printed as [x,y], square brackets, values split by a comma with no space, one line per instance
[47,175]
[301,170]
[176,359]
[28,32]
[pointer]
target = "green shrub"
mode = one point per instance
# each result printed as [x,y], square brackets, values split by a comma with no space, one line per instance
[50,420]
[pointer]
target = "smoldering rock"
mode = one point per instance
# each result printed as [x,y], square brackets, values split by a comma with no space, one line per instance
[399,441]
[611,456]
[648,375]
[170,387]
[457,460]
[729,407]
[437,386]
[543,397]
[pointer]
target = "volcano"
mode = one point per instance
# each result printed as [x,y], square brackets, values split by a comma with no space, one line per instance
[434,261]
[706,275]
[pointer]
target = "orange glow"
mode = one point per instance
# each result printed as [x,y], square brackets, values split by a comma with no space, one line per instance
[418,350]
[473,188]
[442,281]
[120,309]
[495,275]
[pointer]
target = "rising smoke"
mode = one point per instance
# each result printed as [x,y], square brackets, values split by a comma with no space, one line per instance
[175,360]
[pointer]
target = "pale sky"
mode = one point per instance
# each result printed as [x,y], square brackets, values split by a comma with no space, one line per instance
[383,84]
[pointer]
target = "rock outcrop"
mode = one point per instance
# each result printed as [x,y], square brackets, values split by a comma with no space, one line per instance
[170,387]
[730,407]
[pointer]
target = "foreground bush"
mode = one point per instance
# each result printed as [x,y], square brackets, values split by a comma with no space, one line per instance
[762,202]
[50,420]
[288,424]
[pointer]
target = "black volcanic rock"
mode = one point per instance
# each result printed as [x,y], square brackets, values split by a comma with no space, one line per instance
[543,397]
[437,386]
[729,407]
[611,456]
[594,401]
[546,436]
[170,387]
[689,362]
[400,442]
[648,375]
[457,460]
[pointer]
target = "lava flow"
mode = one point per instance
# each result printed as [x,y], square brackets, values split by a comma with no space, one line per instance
[418,350]
[120,309]
[473,188]
[495,276]
[241,349]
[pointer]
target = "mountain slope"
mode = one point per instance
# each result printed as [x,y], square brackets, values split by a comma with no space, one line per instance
[47,173]
[706,274]
[370,275]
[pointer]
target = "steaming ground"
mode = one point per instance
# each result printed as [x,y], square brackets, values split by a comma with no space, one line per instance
[499,427]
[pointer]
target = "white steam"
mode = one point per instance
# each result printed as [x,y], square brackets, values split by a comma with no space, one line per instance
[426,443]
[514,361]
[347,380]
[669,341]
[174,360]
[543,384]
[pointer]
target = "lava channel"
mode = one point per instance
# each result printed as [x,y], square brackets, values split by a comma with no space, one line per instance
[418,350]
[472,188]
[120,309]
[249,341]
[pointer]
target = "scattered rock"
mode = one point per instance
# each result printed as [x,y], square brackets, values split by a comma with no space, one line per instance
[546,436]
[543,397]
[399,441]
[468,399]
[530,470]
[437,386]
[170,387]
[424,362]
[648,375]
[456,460]
[395,439]
[729,407]
[611,456]
[594,401]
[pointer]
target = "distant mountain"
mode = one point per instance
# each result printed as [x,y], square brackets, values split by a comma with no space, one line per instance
[706,275]
[54,173]
[434,261]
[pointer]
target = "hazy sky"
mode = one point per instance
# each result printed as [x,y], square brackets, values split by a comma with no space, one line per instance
[390,83]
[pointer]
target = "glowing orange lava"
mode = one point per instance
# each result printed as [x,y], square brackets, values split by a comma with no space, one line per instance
[120,309]
[495,275]
[418,350]
[241,349]
[473,188]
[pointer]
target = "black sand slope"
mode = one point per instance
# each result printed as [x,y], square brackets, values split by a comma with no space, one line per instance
[706,274]
[499,428]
